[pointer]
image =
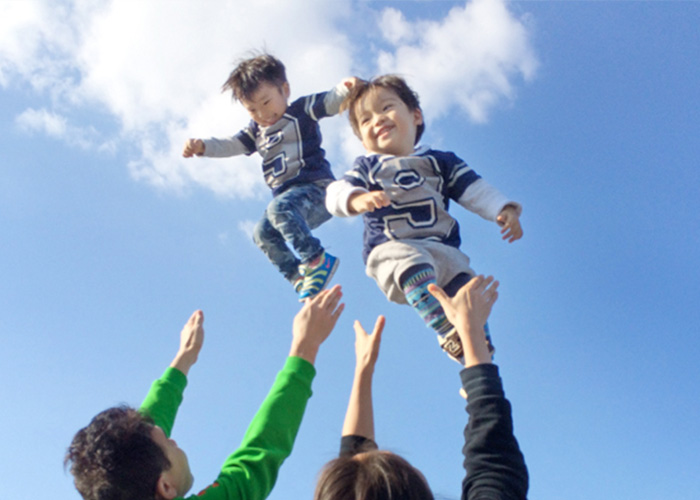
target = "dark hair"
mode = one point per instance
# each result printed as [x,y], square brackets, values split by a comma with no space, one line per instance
[245,79]
[373,475]
[390,82]
[115,457]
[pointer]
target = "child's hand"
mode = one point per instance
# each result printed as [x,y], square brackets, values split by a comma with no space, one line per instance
[509,220]
[368,202]
[191,340]
[314,323]
[367,346]
[193,147]
[468,311]
[350,82]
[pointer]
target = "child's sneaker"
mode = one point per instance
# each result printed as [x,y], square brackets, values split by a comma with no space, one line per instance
[450,343]
[317,277]
[489,340]
[298,283]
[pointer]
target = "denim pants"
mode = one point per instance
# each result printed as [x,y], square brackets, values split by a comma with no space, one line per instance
[290,217]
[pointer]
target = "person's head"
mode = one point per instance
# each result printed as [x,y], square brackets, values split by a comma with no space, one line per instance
[386,115]
[372,475]
[121,455]
[260,84]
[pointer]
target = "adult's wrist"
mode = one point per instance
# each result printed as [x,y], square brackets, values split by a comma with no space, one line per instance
[304,351]
[182,363]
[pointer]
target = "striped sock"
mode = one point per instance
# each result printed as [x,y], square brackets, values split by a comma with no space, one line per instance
[415,288]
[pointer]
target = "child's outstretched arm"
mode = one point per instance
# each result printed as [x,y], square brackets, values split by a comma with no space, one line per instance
[488,202]
[350,82]
[359,417]
[359,203]
[314,323]
[468,311]
[344,199]
[191,340]
[193,147]
[509,220]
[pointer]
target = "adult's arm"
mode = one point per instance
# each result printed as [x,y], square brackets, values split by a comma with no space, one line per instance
[492,458]
[165,395]
[164,398]
[251,471]
[358,426]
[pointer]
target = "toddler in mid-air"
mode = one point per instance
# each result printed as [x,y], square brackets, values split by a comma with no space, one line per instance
[410,239]
[288,138]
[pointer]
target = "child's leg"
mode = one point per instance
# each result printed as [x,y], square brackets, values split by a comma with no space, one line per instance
[294,213]
[271,242]
[414,282]
[451,290]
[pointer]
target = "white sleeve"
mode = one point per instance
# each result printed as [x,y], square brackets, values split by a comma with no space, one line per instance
[224,147]
[337,195]
[335,97]
[485,200]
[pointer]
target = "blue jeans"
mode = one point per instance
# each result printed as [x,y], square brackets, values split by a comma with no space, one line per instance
[290,217]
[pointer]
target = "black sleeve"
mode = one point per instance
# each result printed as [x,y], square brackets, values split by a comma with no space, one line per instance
[492,458]
[352,445]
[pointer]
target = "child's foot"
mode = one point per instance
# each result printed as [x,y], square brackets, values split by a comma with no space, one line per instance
[450,343]
[317,275]
[489,341]
[297,284]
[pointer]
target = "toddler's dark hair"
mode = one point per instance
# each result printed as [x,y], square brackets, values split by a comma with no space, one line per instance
[390,82]
[245,79]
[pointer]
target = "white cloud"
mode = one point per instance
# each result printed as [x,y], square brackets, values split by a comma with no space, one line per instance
[350,148]
[43,121]
[57,127]
[395,28]
[29,41]
[154,69]
[148,65]
[247,227]
[469,58]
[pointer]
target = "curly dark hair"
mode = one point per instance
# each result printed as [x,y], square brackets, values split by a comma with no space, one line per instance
[390,82]
[245,79]
[115,458]
[372,475]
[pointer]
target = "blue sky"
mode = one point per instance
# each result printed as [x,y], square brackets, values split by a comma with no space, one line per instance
[585,112]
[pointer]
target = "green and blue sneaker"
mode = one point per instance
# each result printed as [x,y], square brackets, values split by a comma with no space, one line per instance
[298,283]
[316,277]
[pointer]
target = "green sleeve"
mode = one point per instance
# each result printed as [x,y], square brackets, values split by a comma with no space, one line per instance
[164,398]
[251,471]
